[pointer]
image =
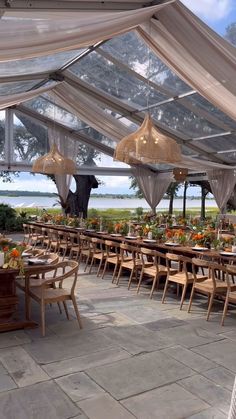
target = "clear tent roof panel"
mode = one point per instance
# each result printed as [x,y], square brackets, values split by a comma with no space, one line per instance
[216,144]
[201,103]
[133,52]
[43,64]
[15,87]
[29,139]
[101,73]
[47,108]
[182,120]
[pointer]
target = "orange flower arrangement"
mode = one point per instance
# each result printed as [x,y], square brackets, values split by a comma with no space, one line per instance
[169,234]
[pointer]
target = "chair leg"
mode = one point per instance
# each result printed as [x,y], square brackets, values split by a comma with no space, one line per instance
[191,299]
[210,306]
[139,282]
[66,310]
[77,311]
[59,306]
[114,273]
[118,276]
[42,318]
[225,309]
[91,265]
[104,269]
[86,263]
[99,267]
[165,291]
[131,276]
[154,285]
[183,295]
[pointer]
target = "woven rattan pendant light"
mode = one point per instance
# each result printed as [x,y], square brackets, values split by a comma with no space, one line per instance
[148,145]
[180,174]
[54,163]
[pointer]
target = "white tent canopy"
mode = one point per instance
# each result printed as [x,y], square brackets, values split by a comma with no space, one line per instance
[88,61]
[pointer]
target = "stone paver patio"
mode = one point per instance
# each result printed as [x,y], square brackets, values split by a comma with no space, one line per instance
[135,358]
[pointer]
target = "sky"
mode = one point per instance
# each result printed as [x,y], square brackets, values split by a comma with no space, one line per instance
[218,14]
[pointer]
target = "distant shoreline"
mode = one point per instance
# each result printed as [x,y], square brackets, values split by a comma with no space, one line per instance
[14,194]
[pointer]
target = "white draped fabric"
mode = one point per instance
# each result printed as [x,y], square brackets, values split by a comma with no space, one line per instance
[6,101]
[196,53]
[85,107]
[22,38]
[222,184]
[153,185]
[69,148]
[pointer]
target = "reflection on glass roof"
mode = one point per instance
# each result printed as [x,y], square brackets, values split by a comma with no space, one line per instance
[216,144]
[7,89]
[182,120]
[132,51]
[37,65]
[29,139]
[101,73]
[107,161]
[200,102]
[62,116]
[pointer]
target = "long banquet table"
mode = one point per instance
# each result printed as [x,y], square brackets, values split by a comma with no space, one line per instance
[142,242]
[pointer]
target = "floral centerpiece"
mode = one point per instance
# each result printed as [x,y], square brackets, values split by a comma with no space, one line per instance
[203,238]
[12,254]
[93,223]
[121,227]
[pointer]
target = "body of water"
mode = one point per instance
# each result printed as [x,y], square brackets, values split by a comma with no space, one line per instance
[99,203]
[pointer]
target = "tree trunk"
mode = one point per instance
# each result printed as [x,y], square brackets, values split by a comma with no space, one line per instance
[184,199]
[203,202]
[171,204]
[77,202]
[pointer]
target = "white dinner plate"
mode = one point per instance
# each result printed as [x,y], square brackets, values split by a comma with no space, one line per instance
[115,234]
[101,232]
[227,253]
[172,244]
[90,230]
[200,248]
[149,240]
[131,237]
[35,261]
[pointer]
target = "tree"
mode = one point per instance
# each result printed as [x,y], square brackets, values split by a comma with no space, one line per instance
[230,33]
[185,198]
[172,193]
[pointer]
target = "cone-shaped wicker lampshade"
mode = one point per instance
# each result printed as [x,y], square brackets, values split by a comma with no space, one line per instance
[180,174]
[147,145]
[54,163]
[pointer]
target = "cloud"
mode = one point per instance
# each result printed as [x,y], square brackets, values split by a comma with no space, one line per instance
[27,182]
[210,9]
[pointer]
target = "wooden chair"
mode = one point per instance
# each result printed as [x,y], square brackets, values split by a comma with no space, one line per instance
[152,266]
[36,236]
[44,294]
[98,253]
[64,243]
[129,260]
[52,259]
[27,234]
[112,257]
[212,286]
[33,252]
[86,250]
[181,276]
[75,246]
[53,240]
[231,290]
